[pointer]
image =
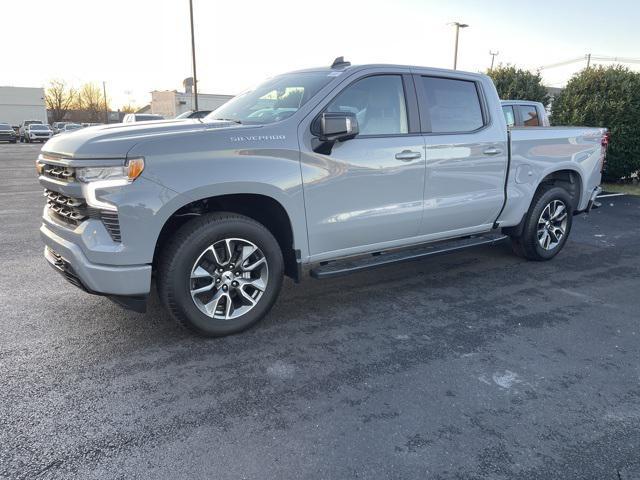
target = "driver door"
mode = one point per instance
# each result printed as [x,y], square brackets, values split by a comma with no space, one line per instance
[367,192]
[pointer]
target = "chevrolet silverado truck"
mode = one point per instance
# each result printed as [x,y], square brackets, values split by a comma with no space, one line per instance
[325,171]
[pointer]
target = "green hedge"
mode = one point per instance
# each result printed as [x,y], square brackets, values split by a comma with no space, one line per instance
[605,97]
[516,84]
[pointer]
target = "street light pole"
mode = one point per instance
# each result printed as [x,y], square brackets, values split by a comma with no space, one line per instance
[458,26]
[193,57]
[106,108]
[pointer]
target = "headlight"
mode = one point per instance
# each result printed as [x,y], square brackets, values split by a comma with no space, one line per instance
[127,173]
[105,177]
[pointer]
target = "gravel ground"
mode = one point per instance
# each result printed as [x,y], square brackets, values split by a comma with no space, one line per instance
[477,365]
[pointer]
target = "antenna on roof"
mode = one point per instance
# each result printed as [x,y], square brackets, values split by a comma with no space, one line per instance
[340,63]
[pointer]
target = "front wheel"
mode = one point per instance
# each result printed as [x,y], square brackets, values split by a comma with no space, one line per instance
[547,225]
[220,274]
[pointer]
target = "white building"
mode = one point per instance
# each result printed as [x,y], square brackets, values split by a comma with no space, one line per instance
[170,103]
[21,103]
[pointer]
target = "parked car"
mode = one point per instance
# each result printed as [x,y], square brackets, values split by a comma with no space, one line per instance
[70,127]
[7,133]
[37,132]
[194,114]
[57,127]
[24,125]
[141,117]
[378,164]
[523,113]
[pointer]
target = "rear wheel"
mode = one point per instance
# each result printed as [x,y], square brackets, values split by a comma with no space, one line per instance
[220,274]
[547,225]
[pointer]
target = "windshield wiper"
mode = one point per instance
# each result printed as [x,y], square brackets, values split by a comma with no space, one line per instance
[229,120]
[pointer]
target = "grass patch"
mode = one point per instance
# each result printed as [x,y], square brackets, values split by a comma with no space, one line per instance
[628,188]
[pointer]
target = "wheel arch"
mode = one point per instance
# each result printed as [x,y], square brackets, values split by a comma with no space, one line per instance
[568,178]
[262,208]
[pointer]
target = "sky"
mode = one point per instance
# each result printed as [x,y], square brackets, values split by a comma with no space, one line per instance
[137,46]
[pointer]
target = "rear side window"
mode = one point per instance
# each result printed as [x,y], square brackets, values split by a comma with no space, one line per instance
[529,115]
[509,117]
[452,105]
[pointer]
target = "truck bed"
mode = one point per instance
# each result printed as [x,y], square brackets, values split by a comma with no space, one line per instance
[537,151]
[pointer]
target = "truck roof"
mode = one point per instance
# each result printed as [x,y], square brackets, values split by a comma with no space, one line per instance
[347,67]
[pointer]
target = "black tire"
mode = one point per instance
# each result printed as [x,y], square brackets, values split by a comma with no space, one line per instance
[183,250]
[527,245]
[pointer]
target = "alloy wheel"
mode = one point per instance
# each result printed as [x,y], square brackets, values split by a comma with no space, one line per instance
[552,224]
[229,278]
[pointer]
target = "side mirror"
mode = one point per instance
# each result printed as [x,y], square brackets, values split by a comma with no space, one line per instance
[332,127]
[335,127]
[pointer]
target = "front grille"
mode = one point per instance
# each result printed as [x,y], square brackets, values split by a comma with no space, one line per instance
[67,174]
[74,211]
[68,209]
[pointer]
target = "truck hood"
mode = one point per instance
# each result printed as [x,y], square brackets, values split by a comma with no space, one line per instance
[115,140]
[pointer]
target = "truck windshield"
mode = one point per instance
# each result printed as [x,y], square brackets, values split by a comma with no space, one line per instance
[273,100]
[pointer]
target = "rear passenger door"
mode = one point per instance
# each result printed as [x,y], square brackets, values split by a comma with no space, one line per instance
[466,156]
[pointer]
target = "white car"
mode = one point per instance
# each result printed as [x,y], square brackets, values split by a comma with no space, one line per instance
[141,117]
[37,132]
[70,127]
[23,128]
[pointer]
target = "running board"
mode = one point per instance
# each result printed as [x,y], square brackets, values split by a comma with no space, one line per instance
[339,268]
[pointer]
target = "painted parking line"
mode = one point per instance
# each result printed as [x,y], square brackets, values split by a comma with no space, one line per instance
[21,192]
[612,195]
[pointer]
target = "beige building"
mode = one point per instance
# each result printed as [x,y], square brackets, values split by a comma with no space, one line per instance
[170,103]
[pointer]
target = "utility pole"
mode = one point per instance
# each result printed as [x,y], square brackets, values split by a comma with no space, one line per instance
[458,26]
[588,55]
[493,57]
[193,57]
[106,108]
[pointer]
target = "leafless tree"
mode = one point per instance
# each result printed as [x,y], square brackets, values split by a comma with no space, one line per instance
[90,99]
[59,98]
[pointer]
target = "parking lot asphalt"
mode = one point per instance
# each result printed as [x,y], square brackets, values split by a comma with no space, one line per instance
[477,365]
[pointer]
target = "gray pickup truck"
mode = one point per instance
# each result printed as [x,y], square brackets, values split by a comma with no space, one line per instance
[323,172]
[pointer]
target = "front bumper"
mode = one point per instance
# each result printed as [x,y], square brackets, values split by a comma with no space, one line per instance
[119,281]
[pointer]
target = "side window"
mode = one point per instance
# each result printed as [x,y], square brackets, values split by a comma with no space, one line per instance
[508,115]
[378,103]
[452,105]
[529,115]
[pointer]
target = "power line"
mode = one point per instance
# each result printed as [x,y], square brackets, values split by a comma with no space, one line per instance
[590,58]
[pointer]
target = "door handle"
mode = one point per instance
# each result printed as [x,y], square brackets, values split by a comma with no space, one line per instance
[408,155]
[492,151]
